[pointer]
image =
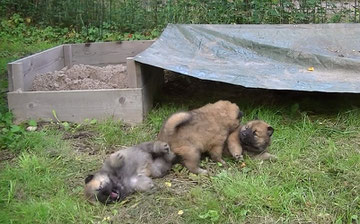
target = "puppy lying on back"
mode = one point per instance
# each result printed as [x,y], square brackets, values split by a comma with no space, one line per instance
[205,129]
[253,139]
[129,170]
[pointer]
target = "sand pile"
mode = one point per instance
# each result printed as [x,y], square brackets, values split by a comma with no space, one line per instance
[82,77]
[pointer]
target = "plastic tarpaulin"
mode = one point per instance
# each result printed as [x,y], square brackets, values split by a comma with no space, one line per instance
[313,57]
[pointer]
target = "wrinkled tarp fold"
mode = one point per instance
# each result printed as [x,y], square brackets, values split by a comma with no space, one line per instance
[312,57]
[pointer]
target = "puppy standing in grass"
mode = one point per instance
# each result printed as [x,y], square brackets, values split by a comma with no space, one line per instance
[253,139]
[129,170]
[205,129]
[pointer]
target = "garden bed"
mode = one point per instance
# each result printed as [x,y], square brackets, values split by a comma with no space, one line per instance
[42,84]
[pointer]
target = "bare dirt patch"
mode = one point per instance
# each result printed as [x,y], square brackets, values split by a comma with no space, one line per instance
[82,142]
[6,155]
[81,77]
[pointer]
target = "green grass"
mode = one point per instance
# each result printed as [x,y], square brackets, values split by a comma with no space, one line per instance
[11,50]
[315,180]
[13,47]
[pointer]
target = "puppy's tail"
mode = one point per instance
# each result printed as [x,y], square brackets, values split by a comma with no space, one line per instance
[173,123]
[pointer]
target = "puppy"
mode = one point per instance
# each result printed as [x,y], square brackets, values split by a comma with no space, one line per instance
[205,129]
[253,139]
[129,170]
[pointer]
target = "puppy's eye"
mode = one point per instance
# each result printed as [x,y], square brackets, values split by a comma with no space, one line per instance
[254,133]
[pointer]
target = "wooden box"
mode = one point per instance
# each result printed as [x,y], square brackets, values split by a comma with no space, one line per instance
[130,105]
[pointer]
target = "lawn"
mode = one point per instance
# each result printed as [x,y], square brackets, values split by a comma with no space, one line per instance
[315,180]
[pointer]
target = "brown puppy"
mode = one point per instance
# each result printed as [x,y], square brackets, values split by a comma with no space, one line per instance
[253,139]
[205,129]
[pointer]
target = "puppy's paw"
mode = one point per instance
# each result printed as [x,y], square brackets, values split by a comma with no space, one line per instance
[119,157]
[116,159]
[161,147]
[165,147]
[142,183]
[239,157]
[223,163]
[147,184]
[201,171]
[272,158]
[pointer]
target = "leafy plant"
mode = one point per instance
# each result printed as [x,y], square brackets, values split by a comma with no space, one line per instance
[32,123]
[93,20]
[64,124]
[211,215]
[10,133]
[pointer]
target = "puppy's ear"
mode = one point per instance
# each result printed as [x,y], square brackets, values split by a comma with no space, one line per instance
[89,178]
[270,131]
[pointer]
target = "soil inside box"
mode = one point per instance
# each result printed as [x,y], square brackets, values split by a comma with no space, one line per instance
[80,77]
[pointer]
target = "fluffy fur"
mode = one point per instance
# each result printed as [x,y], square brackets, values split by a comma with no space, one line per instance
[205,129]
[129,170]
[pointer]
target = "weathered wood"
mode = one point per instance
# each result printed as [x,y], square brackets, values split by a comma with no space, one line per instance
[130,105]
[107,52]
[77,105]
[153,81]
[45,61]
[17,76]
[10,82]
[134,72]
[67,55]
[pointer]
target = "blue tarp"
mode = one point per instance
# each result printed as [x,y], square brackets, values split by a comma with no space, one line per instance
[312,57]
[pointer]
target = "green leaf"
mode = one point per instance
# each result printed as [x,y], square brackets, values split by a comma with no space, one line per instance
[93,121]
[115,212]
[66,125]
[354,217]
[15,128]
[245,170]
[54,114]
[244,212]
[212,214]
[204,216]
[32,123]
[339,221]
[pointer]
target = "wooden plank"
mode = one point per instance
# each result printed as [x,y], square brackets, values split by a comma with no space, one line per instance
[77,105]
[134,73]
[152,84]
[67,55]
[17,76]
[45,61]
[107,52]
[10,82]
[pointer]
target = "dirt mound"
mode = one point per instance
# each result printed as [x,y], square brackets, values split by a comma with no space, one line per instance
[82,77]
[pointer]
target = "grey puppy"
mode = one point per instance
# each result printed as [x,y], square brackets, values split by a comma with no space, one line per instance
[129,170]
